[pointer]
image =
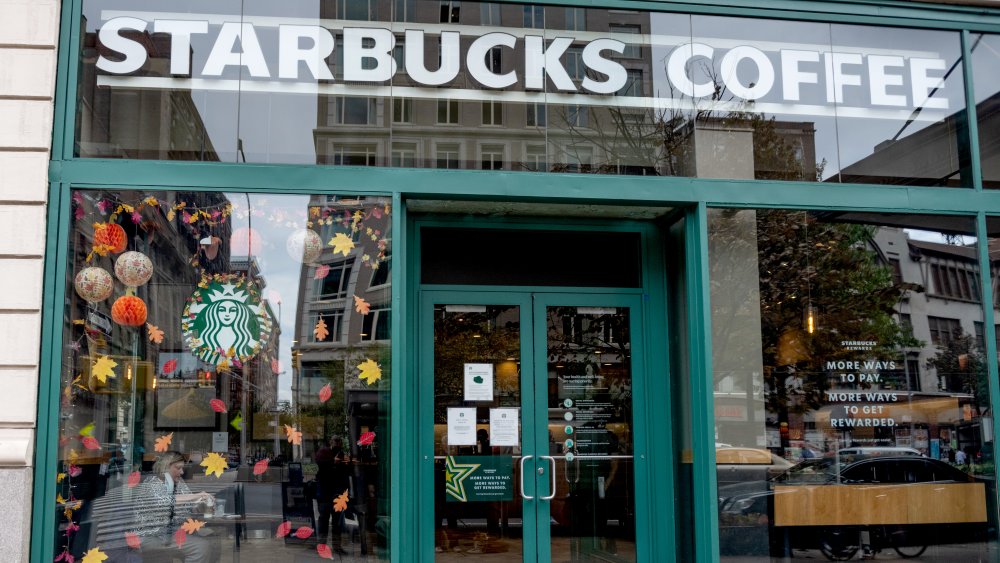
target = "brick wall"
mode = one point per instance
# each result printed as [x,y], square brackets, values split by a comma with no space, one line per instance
[28,34]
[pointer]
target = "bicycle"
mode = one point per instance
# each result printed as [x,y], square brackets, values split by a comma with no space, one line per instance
[842,544]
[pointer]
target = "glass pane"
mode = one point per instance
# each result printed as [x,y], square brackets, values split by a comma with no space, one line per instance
[590,433]
[477,435]
[985,58]
[852,411]
[220,400]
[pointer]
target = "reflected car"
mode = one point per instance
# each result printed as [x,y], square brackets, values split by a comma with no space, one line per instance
[848,455]
[752,503]
[739,465]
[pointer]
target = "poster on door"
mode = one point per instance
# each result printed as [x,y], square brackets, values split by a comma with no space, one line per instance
[478,382]
[479,478]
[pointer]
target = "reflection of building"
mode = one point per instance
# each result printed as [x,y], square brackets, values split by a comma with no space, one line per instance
[353,336]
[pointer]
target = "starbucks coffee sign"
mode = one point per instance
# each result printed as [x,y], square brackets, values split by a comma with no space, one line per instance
[225,321]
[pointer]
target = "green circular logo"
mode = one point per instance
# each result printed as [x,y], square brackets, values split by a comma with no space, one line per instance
[225,320]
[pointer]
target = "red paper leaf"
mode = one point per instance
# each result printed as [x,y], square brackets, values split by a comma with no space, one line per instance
[324,393]
[133,540]
[133,479]
[260,467]
[303,532]
[91,443]
[275,365]
[283,529]
[322,271]
[217,405]
[170,366]
[324,551]
[180,536]
[366,439]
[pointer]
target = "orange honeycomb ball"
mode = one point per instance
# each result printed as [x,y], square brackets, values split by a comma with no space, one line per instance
[110,235]
[129,310]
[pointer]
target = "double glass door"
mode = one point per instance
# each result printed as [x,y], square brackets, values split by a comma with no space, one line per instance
[528,434]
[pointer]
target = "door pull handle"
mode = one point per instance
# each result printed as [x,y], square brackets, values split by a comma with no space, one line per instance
[524,459]
[552,493]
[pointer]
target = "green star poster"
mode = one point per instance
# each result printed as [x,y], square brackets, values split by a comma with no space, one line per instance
[479,478]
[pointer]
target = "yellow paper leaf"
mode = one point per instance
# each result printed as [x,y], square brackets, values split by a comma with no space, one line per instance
[362,306]
[340,503]
[370,371]
[342,243]
[214,463]
[60,477]
[320,332]
[293,435]
[192,525]
[163,442]
[155,334]
[60,499]
[103,369]
[94,556]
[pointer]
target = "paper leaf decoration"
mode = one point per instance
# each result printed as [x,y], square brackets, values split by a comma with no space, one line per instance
[103,369]
[133,540]
[217,405]
[170,366]
[303,532]
[283,529]
[321,272]
[87,430]
[154,333]
[260,467]
[323,551]
[163,442]
[340,503]
[214,464]
[362,306]
[91,443]
[370,371]
[237,421]
[324,393]
[94,556]
[293,435]
[133,479]
[320,332]
[342,243]
[191,525]
[366,439]
[180,536]
[275,365]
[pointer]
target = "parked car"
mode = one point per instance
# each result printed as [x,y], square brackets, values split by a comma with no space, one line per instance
[738,465]
[849,455]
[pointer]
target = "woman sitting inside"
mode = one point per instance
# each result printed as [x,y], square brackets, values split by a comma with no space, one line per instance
[164,501]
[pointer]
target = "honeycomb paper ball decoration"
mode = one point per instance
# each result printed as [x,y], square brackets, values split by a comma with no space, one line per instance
[111,235]
[245,242]
[133,268]
[305,246]
[94,284]
[129,310]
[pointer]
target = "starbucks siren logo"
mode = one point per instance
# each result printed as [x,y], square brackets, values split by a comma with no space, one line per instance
[224,320]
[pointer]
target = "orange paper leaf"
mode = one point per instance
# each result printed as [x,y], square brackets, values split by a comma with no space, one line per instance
[217,405]
[155,334]
[133,479]
[320,332]
[260,467]
[294,436]
[191,525]
[362,306]
[163,442]
[340,503]
[133,540]
[283,529]
[324,393]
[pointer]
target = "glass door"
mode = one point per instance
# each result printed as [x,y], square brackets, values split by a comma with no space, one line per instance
[531,451]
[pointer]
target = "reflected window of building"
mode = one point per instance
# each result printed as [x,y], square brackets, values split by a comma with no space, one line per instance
[955,276]
[632,49]
[492,113]
[404,10]
[494,60]
[943,330]
[535,115]
[334,285]
[578,116]
[357,10]
[376,325]
[633,84]
[356,154]
[536,158]
[402,110]
[352,111]
[579,159]
[492,157]
[534,17]
[448,156]
[447,111]
[404,155]
[399,55]
[450,11]
[382,274]
[576,19]
[489,13]
[985,60]
[574,63]
[332,323]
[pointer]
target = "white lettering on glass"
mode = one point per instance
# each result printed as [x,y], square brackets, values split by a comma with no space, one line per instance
[134,52]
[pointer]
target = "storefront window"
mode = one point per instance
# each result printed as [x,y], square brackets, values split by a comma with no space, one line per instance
[225,377]
[852,409]
[985,57]
[603,91]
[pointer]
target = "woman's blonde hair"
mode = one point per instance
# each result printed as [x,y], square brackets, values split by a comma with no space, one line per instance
[163,463]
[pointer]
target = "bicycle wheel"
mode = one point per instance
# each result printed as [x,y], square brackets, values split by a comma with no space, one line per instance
[839,544]
[910,551]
